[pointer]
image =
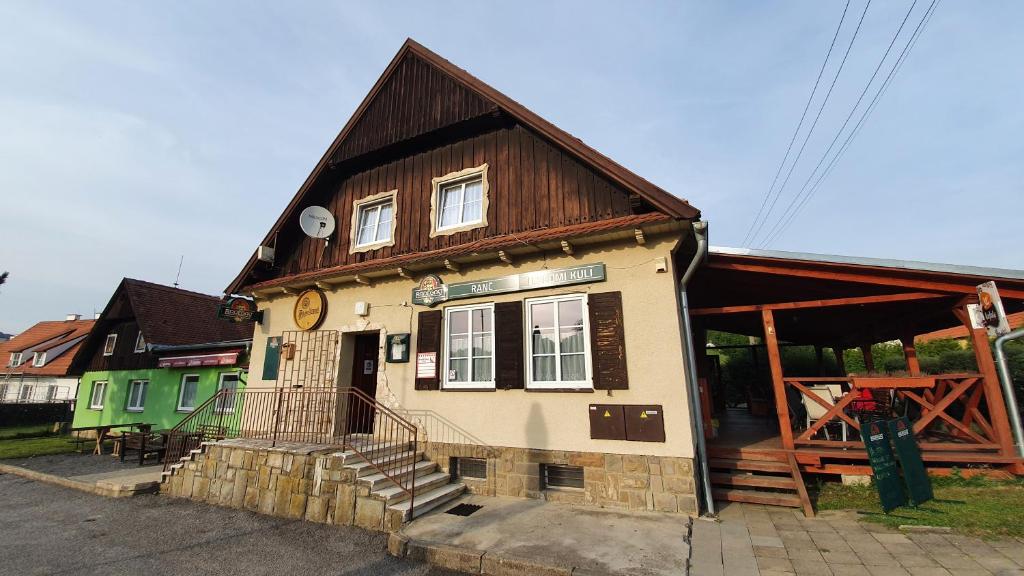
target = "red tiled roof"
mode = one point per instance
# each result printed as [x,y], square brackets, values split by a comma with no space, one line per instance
[60,332]
[1016,320]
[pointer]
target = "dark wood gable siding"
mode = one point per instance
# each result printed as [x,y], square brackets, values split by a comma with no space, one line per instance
[417,99]
[120,320]
[532,185]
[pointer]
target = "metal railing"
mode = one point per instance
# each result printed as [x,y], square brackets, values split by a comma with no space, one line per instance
[346,417]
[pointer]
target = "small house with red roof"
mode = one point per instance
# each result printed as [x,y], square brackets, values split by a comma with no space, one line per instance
[36,362]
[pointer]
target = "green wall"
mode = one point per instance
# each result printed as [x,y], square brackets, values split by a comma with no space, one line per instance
[161,406]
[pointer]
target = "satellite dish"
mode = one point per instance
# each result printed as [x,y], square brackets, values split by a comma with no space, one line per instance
[317,222]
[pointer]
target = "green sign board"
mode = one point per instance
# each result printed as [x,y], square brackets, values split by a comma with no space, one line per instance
[919,485]
[883,464]
[432,291]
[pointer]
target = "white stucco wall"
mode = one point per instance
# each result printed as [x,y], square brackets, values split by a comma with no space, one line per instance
[519,418]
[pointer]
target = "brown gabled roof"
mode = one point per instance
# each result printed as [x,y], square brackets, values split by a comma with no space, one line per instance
[662,200]
[43,337]
[170,316]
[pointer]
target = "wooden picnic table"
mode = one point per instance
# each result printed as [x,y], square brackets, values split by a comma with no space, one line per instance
[104,429]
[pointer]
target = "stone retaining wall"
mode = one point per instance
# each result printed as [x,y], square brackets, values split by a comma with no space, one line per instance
[633,482]
[287,481]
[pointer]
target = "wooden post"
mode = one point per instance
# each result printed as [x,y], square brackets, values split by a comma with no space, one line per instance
[840,362]
[910,353]
[775,362]
[818,353]
[869,359]
[993,392]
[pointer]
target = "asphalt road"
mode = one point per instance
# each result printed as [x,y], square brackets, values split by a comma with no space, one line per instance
[46,529]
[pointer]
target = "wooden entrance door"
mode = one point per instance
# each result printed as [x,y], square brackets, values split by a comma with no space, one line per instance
[364,379]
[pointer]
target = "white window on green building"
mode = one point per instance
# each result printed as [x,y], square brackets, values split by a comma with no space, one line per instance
[137,395]
[188,393]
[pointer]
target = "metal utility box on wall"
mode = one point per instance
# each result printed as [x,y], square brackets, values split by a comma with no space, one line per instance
[645,423]
[607,422]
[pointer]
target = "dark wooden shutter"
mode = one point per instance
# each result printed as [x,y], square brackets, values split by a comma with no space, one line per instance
[508,345]
[428,339]
[608,341]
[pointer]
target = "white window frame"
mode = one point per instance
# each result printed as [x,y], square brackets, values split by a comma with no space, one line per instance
[586,384]
[447,348]
[219,406]
[131,390]
[15,360]
[369,203]
[102,385]
[38,359]
[111,343]
[461,177]
[181,392]
[26,393]
[140,340]
[51,392]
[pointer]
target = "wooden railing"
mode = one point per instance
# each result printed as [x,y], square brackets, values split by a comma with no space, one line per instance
[948,411]
[347,417]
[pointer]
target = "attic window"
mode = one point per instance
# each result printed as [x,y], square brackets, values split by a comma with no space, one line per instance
[459,201]
[39,359]
[15,359]
[373,222]
[108,346]
[140,343]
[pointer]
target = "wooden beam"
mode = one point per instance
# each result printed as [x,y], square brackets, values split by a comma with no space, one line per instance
[451,265]
[771,341]
[567,247]
[504,257]
[323,286]
[840,360]
[360,279]
[638,233]
[882,278]
[869,358]
[993,392]
[910,354]
[854,301]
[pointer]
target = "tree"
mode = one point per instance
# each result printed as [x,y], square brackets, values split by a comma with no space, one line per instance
[3,278]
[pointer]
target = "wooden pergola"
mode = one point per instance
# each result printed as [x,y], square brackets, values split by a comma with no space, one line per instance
[842,303]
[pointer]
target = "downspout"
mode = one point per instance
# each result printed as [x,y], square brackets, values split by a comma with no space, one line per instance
[700,232]
[1008,393]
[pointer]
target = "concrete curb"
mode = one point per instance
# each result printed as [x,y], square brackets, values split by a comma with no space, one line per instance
[102,488]
[471,561]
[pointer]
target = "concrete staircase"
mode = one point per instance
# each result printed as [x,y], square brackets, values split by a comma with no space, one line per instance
[432,486]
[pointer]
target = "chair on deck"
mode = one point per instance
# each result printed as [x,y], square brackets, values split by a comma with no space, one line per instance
[830,393]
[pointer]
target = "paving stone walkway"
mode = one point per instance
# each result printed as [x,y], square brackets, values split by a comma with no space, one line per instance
[751,539]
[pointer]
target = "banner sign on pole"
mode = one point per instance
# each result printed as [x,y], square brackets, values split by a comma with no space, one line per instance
[992,312]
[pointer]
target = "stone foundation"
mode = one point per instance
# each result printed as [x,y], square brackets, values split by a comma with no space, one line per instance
[290,481]
[625,481]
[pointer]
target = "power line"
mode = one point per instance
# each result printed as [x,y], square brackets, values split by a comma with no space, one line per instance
[807,106]
[904,54]
[846,122]
[810,131]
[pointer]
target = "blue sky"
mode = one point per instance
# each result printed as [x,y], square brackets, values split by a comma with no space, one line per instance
[137,132]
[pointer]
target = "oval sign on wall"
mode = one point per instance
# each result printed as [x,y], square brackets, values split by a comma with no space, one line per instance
[310,309]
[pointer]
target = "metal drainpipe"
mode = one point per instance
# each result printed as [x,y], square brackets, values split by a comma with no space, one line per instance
[1007,381]
[700,231]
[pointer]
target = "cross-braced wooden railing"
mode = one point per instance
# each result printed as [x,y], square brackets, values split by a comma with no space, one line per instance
[346,417]
[948,411]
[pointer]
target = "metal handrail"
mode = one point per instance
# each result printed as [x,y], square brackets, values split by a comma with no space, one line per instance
[369,429]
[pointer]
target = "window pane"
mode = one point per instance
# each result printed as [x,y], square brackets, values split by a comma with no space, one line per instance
[542,315]
[142,394]
[474,191]
[365,236]
[189,390]
[458,322]
[450,196]
[570,313]
[384,226]
[571,339]
[481,320]
[471,213]
[449,217]
[544,368]
[458,346]
[482,370]
[458,371]
[543,341]
[481,345]
[574,368]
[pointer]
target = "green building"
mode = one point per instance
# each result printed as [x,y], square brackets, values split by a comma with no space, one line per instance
[155,354]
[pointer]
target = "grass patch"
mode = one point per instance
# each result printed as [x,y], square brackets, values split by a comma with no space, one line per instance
[976,505]
[38,446]
[32,431]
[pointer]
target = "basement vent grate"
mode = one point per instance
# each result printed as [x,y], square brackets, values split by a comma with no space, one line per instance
[464,509]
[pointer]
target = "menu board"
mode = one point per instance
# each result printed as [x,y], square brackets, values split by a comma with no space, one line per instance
[883,464]
[919,485]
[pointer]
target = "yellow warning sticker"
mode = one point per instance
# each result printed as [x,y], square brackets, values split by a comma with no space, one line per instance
[643,415]
[607,414]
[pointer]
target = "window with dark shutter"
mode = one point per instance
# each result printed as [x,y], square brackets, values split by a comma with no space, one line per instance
[428,340]
[608,341]
[508,332]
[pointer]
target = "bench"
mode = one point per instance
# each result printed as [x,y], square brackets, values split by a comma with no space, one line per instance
[145,443]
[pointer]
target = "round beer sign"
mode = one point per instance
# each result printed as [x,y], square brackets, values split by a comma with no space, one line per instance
[310,309]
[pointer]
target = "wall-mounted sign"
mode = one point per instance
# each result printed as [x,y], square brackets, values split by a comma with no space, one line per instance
[431,290]
[426,365]
[310,309]
[397,348]
[238,309]
[992,312]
